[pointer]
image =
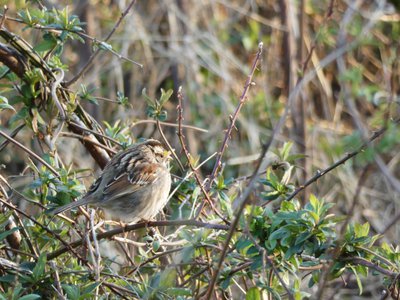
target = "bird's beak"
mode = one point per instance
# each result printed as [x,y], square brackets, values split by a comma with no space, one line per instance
[168,154]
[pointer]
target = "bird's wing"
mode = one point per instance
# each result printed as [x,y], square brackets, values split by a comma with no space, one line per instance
[136,175]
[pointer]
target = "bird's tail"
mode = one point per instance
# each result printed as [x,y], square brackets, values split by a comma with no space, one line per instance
[68,206]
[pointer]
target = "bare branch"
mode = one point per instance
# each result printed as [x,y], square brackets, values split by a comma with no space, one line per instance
[187,154]
[341,161]
[30,152]
[233,118]
[127,228]
[94,55]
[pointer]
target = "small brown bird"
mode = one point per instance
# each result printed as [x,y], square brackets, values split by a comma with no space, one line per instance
[134,185]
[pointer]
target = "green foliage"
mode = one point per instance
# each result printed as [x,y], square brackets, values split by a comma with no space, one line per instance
[86,94]
[119,132]
[155,106]
[293,230]
[53,19]
[4,104]
[122,99]
[277,245]
[278,177]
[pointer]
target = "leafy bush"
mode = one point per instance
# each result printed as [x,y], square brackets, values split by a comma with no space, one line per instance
[236,227]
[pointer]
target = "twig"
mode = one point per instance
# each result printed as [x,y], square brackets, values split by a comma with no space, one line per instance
[127,228]
[56,235]
[12,134]
[113,287]
[30,152]
[87,140]
[336,251]
[363,262]
[169,124]
[329,12]
[233,118]
[169,146]
[150,259]
[3,17]
[243,200]
[96,41]
[14,239]
[82,34]
[340,161]
[95,253]
[188,175]
[95,133]
[54,87]
[8,264]
[187,154]
[20,58]
[61,110]
[57,283]
[101,156]
[93,56]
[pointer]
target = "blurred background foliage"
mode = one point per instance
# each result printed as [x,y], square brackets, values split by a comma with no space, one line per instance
[341,61]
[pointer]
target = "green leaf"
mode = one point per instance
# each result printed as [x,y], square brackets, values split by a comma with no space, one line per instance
[179,292]
[226,282]
[46,45]
[9,279]
[105,46]
[357,279]
[122,99]
[167,279]
[243,243]
[280,233]
[314,216]
[361,230]
[302,237]
[156,245]
[4,104]
[150,102]
[90,288]
[30,297]
[39,268]
[284,153]
[86,94]
[274,293]
[162,116]
[165,96]
[72,291]
[253,294]
[314,202]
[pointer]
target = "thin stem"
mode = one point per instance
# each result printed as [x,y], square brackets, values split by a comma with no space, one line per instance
[13,134]
[169,146]
[243,200]
[170,125]
[56,235]
[341,161]
[30,152]
[233,118]
[95,133]
[187,154]
[86,140]
[94,55]
[127,228]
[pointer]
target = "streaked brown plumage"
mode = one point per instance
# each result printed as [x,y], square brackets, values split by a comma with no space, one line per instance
[134,185]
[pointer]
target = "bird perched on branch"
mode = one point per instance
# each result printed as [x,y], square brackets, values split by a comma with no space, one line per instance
[134,185]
